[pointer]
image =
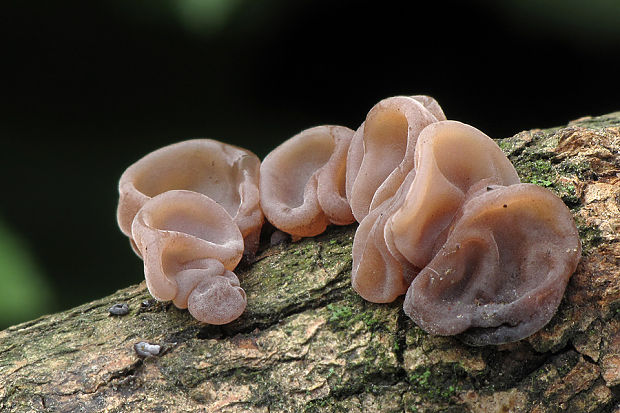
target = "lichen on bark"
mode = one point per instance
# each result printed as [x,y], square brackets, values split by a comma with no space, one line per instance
[308,343]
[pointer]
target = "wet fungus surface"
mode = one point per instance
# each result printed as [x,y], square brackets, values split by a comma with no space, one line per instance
[398,238]
[190,245]
[452,158]
[302,182]
[191,210]
[382,150]
[443,219]
[225,173]
[502,271]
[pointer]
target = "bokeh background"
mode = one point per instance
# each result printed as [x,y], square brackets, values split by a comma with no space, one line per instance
[89,87]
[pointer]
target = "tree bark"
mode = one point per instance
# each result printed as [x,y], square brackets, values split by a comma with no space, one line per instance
[308,343]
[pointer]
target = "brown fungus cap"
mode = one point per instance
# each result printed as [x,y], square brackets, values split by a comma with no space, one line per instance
[382,149]
[450,158]
[225,173]
[190,244]
[397,238]
[303,181]
[502,272]
[380,274]
[431,105]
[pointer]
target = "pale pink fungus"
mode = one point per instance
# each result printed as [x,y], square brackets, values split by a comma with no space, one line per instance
[190,245]
[502,272]
[450,158]
[303,181]
[378,274]
[382,149]
[225,173]
[443,218]
[402,233]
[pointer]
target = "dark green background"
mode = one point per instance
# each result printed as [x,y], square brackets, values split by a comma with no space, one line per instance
[89,87]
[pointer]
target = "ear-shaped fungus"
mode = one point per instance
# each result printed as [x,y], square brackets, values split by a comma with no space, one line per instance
[382,149]
[450,158]
[303,181]
[502,272]
[443,218]
[431,105]
[190,245]
[397,239]
[225,173]
[378,274]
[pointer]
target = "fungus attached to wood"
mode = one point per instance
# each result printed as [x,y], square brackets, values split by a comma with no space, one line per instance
[443,218]
[382,149]
[303,182]
[225,173]
[190,245]
[502,272]
[407,243]
[451,158]
[401,234]
[378,274]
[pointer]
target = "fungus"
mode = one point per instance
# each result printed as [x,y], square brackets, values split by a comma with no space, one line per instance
[502,272]
[190,245]
[431,105]
[451,158]
[443,218]
[303,182]
[378,275]
[397,239]
[225,173]
[382,149]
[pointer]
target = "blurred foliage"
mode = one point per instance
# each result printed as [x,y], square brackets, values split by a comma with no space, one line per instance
[25,293]
[598,19]
[205,15]
[580,20]
[202,17]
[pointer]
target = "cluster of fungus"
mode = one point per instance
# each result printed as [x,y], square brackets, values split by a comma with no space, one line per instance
[191,209]
[443,219]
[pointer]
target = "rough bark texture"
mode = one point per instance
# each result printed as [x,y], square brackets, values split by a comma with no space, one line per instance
[308,343]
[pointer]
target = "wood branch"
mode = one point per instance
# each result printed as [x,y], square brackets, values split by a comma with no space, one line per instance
[308,343]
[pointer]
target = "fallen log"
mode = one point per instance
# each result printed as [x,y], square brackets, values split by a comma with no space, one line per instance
[308,343]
